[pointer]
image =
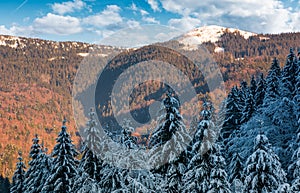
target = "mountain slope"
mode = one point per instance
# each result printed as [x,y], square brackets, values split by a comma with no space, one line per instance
[210,33]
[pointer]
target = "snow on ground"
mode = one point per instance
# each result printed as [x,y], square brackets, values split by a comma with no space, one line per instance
[211,33]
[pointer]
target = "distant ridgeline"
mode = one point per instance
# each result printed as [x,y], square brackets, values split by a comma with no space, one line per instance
[251,145]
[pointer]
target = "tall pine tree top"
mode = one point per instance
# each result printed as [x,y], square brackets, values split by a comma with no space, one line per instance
[19,176]
[64,164]
[289,75]
[272,82]
[31,175]
[170,138]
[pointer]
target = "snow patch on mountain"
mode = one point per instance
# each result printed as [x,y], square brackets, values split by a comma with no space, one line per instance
[11,41]
[212,33]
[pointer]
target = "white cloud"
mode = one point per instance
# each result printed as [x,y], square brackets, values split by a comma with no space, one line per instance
[185,23]
[269,16]
[133,24]
[143,12]
[16,30]
[154,5]
[57,24]
[109,16]
[6,31]
[68,7]
[150,20]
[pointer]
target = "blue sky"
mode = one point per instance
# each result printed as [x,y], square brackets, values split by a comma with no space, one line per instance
[92,20]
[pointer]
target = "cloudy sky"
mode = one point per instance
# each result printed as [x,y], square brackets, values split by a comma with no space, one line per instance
[93,20]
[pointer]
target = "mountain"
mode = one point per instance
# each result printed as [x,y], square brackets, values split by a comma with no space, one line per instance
[212,33]
[36,78]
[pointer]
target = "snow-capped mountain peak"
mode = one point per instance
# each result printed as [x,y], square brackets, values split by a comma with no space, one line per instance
[211,33]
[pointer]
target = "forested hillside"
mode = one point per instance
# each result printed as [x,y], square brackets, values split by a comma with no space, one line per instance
[250,145]
[37,77]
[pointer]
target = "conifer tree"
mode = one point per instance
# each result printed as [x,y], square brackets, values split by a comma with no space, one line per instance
[90,164]
[18,177]
[64,170]
[232,120]
[289,74]
[272,83]
[260,92]
[168,144]
[170,138]
[236,177]
[263,169]
[44,168]
[197,177]
[218,176]
[248,110]
[253,86]
[31,176]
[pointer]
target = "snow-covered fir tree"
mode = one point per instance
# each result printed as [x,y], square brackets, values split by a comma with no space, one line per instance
[253,86]
[168,144]
[18,177]
[112,177]
[64,170]
[218,176]
[170,138]
[236,173]
[31,176]
[90,164]
[260,92]
[197,176]
[249,109]
[243,93]
[232,119]
[43,170]
[263,169]
[273,83]
[127,140]
[289,75]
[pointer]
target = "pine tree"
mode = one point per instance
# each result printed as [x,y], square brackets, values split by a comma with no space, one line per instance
[43,170]
[31,180]
[112,177]
[260,92]
[248,110]
[168,144]
[236,177]
[18,177]
[253,86]
[232,115]
[90,164]
[236,168]
[218,175]
[272,83]
[170,138]
[196,179]
[289,74]
[263,169]
[64,169]
[127,140]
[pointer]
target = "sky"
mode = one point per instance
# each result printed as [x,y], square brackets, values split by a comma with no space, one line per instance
[93,20]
